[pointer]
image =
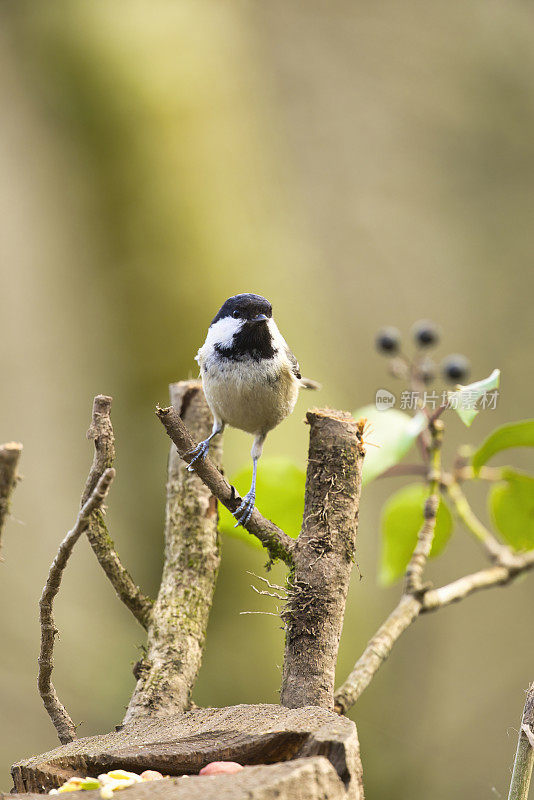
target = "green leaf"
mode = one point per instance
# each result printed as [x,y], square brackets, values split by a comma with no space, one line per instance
[515,434]
[465,399]
[512,509]
[393,433]
[402,518]
[279,496]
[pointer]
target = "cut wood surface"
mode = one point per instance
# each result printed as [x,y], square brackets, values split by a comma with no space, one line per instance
[184,743]
[303,779]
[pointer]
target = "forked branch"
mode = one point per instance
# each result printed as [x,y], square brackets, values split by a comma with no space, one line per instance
[407,611]
[58,714]
[101,431]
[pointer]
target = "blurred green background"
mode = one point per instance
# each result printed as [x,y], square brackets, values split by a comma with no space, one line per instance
[359,164]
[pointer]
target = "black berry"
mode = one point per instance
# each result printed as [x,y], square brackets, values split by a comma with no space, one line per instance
[425,333]
[388,340]
[455,368]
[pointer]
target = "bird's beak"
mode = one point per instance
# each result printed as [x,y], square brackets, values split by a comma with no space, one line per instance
[259,318]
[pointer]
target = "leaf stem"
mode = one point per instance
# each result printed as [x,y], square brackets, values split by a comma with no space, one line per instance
[494,549]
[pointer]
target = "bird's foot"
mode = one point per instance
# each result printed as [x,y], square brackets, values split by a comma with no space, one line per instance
[199,451]
[244,512]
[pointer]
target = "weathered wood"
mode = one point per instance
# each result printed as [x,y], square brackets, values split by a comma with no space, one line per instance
[323,557]
[182,744]
[303,779]
[177,628]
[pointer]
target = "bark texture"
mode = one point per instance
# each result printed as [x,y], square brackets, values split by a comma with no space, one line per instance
[303,779]
[278,544]
[177,628]
[101,432]
[323,557]
[182,744]
[524,757]
[66,730]
[9,459]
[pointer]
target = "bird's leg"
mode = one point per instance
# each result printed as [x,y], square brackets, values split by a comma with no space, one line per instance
[244,511]
[201,449]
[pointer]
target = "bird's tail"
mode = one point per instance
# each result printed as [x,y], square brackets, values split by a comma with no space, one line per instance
[307,383]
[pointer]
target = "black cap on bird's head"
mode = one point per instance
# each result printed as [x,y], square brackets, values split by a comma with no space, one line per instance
[247,307]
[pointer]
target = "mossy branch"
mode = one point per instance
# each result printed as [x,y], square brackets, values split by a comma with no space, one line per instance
[176,634]
[323,558]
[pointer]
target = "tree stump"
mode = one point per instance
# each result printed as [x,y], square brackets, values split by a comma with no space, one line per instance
[289,754]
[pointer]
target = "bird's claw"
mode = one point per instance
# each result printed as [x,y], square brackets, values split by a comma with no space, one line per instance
[199,451]
[244,512]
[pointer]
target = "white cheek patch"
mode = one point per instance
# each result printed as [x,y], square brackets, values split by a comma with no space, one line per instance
[279,343]
[221,333]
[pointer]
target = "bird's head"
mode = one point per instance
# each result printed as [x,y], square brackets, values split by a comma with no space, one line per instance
[245,309]
[243,324]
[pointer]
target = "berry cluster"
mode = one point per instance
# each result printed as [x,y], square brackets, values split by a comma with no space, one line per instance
[454,368]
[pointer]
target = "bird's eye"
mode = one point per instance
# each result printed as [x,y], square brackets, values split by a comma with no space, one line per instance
[235,314]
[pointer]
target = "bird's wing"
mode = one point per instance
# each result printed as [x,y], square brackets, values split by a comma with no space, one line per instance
[305,383]
[295,368]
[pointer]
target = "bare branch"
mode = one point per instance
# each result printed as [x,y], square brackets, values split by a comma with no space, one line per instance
[425,537]
[524,757]
[323,556]
[57,712]
[498,575]
[376,652]
[278,544]
[101,431]
[9,459]
[407,612]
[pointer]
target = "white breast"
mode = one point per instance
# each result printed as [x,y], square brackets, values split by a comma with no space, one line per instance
[253,396]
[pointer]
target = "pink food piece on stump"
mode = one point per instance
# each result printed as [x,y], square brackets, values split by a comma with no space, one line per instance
[221,768]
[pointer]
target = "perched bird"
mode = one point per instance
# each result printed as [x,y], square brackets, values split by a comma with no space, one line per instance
[250,378]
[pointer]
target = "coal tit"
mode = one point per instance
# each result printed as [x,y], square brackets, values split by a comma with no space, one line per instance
[250,378]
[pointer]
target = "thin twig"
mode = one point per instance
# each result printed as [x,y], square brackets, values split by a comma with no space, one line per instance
[498,575]
[408,610]
[524,757]
[376,652]
[268,582]
[9,459]
[425,537]
[278,544]
[268,594]
[101,431]
[58,714]
[263,613]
